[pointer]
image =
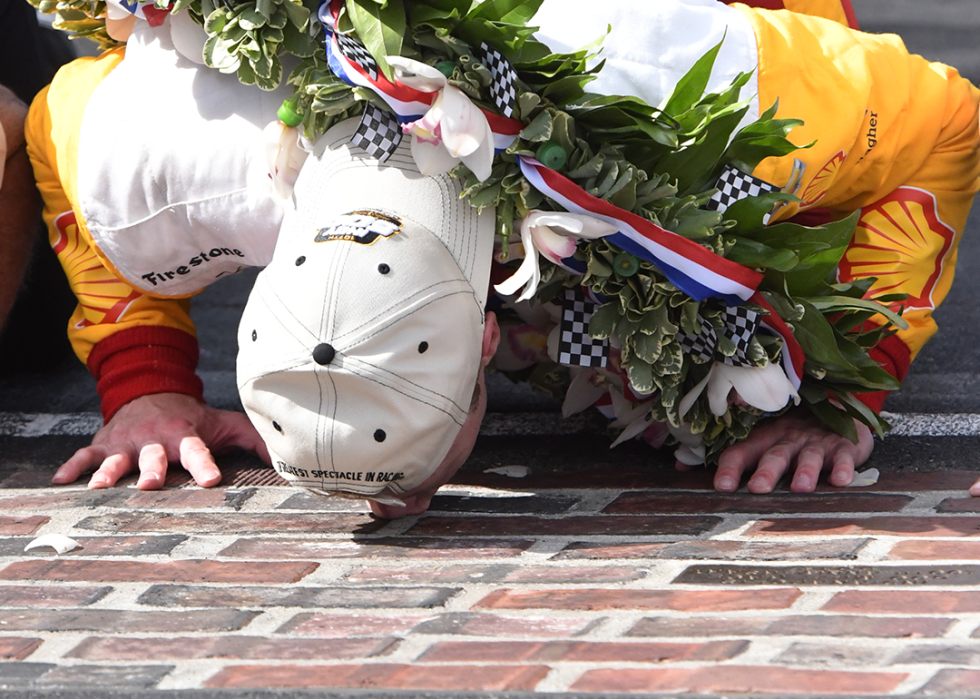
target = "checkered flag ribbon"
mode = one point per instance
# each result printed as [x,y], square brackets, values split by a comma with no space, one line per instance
[356,52]
[740,325]
[503,88]
[575,347]
[702,344]
[734,185]
[378,133]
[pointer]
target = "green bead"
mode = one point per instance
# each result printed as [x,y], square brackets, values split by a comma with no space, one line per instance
[626,264]
[288,115]
[552,156]
[446,68]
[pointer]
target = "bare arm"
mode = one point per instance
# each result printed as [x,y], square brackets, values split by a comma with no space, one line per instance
[19,202]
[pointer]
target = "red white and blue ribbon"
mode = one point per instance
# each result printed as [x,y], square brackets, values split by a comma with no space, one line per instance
[144,9]
[692,268]
[408,104]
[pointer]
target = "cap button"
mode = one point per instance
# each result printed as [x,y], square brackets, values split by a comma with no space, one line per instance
[323,354]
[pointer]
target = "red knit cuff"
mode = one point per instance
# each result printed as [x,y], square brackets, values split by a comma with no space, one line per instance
[894,357]
[142,361]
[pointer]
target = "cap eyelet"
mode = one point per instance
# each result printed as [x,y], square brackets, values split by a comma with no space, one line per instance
[277,427]
[383,268]
[323,354]
[300,260]
[255,335]
[380,436]
[423,347]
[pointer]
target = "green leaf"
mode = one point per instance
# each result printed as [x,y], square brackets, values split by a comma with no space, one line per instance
[516,12]
[381,27]
[604,320]
[750,213]
[820,250]
[751,253]
[818,339]
[832,304]
[694,166]
[837,420]
[691,87]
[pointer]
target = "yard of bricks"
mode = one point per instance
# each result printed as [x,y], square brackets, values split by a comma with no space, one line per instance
[591,579]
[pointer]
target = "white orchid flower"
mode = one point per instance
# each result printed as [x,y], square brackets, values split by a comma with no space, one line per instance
[691,450]
[583,391]
[454,129]
[553,234]
[765,388]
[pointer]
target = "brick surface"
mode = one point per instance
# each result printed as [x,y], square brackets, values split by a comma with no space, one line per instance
[835,655]
[98,546]
[104,677]
[22,675]
[116,621]
[493,574]
[235,647]
[929,550]
[402,547]
[52,499]
[911,481]
[871,526]
[169,571]
[948,654]
[204,498]
[904,602]
[959,505]
[232,523]
[50,595]
[581,652]
[447,677]
[860,626]
[840,549]
[568,526]
[492,625]
[277,596]
[21,526]
[829,575]
[18,648]
[348,625]
[739,680]
[688,601]
[946,682]
[793,625]
[531,504]
[778,503]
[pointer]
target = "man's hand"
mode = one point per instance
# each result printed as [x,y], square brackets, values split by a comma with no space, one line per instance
[975,489]
[152,431]
[795,439]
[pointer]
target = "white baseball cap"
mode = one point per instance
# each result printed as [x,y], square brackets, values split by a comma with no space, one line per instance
[360,345]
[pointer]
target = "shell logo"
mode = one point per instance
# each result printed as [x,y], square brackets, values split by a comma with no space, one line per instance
[901,241]
[103,298]
[820,184]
